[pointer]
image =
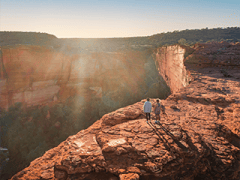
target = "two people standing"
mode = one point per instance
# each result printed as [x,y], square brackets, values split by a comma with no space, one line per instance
[147,108]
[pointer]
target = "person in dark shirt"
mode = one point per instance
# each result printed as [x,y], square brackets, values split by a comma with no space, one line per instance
[157,110]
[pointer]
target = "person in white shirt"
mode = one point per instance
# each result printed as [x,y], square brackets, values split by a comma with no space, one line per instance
[147,108]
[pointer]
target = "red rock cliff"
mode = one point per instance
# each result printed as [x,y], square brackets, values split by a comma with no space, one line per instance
[170,61]
[31,74]
[37,75]
[198,136]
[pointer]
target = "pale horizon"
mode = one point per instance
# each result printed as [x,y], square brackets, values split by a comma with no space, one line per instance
[113,19]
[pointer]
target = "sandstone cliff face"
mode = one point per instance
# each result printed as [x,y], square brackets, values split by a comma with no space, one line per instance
[170,61]
[63,92]
[37,75]
[198,136]
[29,74]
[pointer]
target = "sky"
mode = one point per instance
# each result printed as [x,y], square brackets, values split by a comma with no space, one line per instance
[121,18]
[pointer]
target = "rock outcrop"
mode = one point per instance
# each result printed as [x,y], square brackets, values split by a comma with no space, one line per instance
[198,136]
[48,93]
[170,61]
[36,75]
[31,74]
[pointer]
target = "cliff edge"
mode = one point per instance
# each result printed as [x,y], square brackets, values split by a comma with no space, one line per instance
[198,136]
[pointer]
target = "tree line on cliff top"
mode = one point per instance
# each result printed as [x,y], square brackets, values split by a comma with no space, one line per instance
[230,34]
[27,38]
[197,36]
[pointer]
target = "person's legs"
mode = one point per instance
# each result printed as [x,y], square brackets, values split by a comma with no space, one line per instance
[157,117]
[148,116]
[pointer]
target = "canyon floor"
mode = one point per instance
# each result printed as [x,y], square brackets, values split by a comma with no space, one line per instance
[198,138]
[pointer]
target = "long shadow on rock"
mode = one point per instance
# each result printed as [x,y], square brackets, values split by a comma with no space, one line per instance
[221,102]
[225,132]
[189,142]
[217,168]
[184,148]
[154,178]
[94,176]
[199,161]
[161,137]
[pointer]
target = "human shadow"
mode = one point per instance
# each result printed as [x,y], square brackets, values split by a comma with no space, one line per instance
[164,140]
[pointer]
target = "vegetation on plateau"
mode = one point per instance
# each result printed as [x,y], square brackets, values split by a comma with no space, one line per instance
[82,45]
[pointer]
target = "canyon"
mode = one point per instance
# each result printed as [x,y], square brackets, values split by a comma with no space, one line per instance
[47,94]
[37,75]
[198,136]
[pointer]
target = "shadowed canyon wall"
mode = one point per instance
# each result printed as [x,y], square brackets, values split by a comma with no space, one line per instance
[197,138]
[36,75]
[49,95]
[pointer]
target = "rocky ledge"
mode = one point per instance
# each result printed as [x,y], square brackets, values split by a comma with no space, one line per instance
[198,138]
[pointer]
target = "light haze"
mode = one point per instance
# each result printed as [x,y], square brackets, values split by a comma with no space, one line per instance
[125,18]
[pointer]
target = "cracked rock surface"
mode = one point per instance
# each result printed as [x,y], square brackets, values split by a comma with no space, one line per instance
[198,138]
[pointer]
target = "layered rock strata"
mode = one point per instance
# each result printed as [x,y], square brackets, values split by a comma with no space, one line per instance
[31,74]
[36,75]
[170,62]
[198,136]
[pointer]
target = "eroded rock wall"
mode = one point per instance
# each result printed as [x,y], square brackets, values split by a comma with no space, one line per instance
[68,92]
[175,62]
[170,61]
[30,74]
[37,75]
[197,138]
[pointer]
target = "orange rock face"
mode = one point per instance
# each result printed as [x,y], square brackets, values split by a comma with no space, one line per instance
[84,86]
[37,75]
[170,62]
[29,74]
[198,136]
